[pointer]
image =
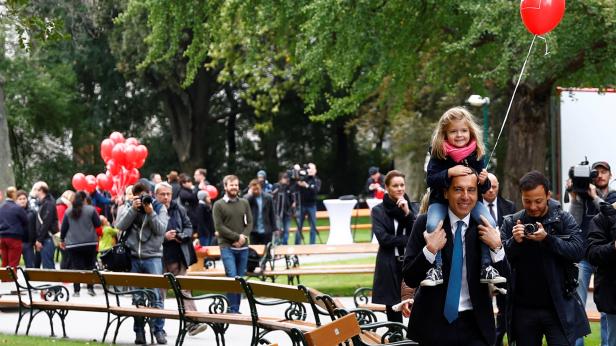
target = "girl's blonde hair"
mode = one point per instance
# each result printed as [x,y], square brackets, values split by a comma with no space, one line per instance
[440,132]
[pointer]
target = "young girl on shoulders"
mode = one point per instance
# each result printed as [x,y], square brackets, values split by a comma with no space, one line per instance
[457,149]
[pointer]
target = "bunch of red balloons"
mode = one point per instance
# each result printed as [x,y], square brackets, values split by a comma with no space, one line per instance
[123,158]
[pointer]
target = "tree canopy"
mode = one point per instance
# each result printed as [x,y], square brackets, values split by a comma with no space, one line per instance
[244,84]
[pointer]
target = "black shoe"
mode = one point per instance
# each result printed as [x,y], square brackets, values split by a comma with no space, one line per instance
[160,338]
[140,338]
[91,292]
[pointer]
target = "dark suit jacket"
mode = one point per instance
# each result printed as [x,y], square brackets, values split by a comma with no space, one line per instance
[427,322]
[504,207]
[269,218]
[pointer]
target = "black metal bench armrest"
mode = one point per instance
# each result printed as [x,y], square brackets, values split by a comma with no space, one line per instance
[219,302]
[361,296]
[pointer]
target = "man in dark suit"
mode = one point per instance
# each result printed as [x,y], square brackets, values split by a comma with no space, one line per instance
[499,207]
[459,312]
[262,207]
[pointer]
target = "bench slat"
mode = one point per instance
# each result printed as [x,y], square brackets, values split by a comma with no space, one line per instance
[278,291]
[49,305]
[76,276]
[132,280]
[334,333]
[145,312]
[208,284]
[219,318]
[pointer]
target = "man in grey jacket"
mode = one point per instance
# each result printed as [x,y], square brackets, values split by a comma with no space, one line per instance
[147,231]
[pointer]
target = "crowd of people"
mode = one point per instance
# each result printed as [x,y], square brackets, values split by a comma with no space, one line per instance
[468,243]
[465,244]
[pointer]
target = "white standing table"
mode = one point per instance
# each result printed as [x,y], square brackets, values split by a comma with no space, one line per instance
[373,202]
[340,212]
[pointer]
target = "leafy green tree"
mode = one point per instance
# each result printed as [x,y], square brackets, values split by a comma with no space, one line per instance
[341,52]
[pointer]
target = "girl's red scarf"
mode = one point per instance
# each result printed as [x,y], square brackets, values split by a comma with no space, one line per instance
[459,154]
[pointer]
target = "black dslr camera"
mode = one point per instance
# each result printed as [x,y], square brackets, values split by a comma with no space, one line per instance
[581,177]
[145,200]
[181,237]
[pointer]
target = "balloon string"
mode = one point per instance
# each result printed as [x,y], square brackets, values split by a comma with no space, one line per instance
[511,102]
[545,40]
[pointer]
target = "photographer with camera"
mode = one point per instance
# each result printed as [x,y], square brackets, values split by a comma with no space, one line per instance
[308,186]
[147,228]
[542,243]
[601,252]
[587,191]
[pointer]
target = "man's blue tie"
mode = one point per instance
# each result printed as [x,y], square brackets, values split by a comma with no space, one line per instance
[452,301]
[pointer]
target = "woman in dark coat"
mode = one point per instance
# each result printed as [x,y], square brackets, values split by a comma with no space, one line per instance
[392,222]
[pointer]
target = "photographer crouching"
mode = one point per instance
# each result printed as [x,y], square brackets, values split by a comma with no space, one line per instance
[586,196]
[542,243]
[146,229]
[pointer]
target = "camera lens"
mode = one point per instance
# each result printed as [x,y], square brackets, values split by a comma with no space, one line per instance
[530,228]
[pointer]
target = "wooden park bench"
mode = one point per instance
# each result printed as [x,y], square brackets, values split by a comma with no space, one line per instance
[337,332]
[43,292]
[293,270]
[290,255]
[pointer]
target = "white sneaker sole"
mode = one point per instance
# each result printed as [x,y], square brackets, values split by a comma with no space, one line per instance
[497,280]
[430,283]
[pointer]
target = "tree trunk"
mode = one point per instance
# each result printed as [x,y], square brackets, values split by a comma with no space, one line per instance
[528,139]
[231,143]
[189,114]
[7,177]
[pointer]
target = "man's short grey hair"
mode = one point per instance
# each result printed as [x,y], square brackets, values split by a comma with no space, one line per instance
[161,185]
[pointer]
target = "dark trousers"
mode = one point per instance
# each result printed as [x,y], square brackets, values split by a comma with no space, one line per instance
[501,319]
[393,316]
[531,324]
[81,258]
[464,331]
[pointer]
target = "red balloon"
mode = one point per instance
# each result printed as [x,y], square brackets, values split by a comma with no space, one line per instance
[132,141]
[106,148]
[113,168]
[79,181]
[90,183]
[104,182]
[133,176]
[541,16]
[143,152]
[139,163]
[212,191]
[118,154]
[132,155]
[379,194]
[116,137]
